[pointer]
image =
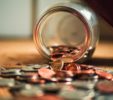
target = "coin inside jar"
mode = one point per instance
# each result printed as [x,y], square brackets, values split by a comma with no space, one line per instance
[72,67]
[63,52]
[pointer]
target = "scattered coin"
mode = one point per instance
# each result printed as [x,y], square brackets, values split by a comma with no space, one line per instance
[45,73]
[5,82]
[105,86]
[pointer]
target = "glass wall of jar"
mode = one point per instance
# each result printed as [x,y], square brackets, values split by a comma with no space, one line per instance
[67,24]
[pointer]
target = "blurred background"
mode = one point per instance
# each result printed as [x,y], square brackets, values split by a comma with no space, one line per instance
[18,17]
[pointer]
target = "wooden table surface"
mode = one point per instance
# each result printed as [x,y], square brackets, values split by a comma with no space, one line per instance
[16,53]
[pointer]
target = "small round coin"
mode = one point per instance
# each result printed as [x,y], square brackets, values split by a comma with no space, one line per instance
[105,86]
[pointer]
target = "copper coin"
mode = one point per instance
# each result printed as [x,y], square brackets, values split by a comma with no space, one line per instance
[67,59]
[85,67]
[72,67]
[56,56]
[46,73]
[105,86]
[89,71]
[63,74]
[57,65]
[104,74]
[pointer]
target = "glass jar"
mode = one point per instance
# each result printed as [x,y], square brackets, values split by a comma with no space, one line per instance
[71,24]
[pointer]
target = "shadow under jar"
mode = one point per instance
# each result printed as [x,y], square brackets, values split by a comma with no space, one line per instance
[69,30]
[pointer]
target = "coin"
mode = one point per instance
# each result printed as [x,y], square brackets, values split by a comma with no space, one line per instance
[5,82]
[69,93]
[57,65]
[51,88]
[83,84]
[45,73]
[72,67]
[105,86]
[28,69]
[104,74]
[11,73]
[30,90]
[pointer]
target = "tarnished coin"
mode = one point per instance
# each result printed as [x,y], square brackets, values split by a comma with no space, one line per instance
[30,90]
[104,97]
[57,65]
[51,88]
[5,82]
[28,69]
[35,66]
[44,66]
[68,93]
[26,77]
[11,73]
[86,76]
[83,84]
[16,88]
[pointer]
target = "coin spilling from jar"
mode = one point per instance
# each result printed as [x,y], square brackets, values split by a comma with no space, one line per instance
[62,79]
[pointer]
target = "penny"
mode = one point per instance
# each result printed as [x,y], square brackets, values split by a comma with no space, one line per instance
[105,86]
[67,59]
[45,73]
[89,71]
[85,67]
[56,55]
[104,74]
[72,67]
[63,52]
[57,65]
[63,74]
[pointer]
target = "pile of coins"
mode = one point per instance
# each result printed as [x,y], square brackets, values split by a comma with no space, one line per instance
[66,53]
[61,79]
[40,82]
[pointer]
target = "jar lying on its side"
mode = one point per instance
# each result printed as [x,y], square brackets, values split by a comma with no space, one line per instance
[69,25]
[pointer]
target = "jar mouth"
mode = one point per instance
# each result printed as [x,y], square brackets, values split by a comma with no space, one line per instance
[39,31]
